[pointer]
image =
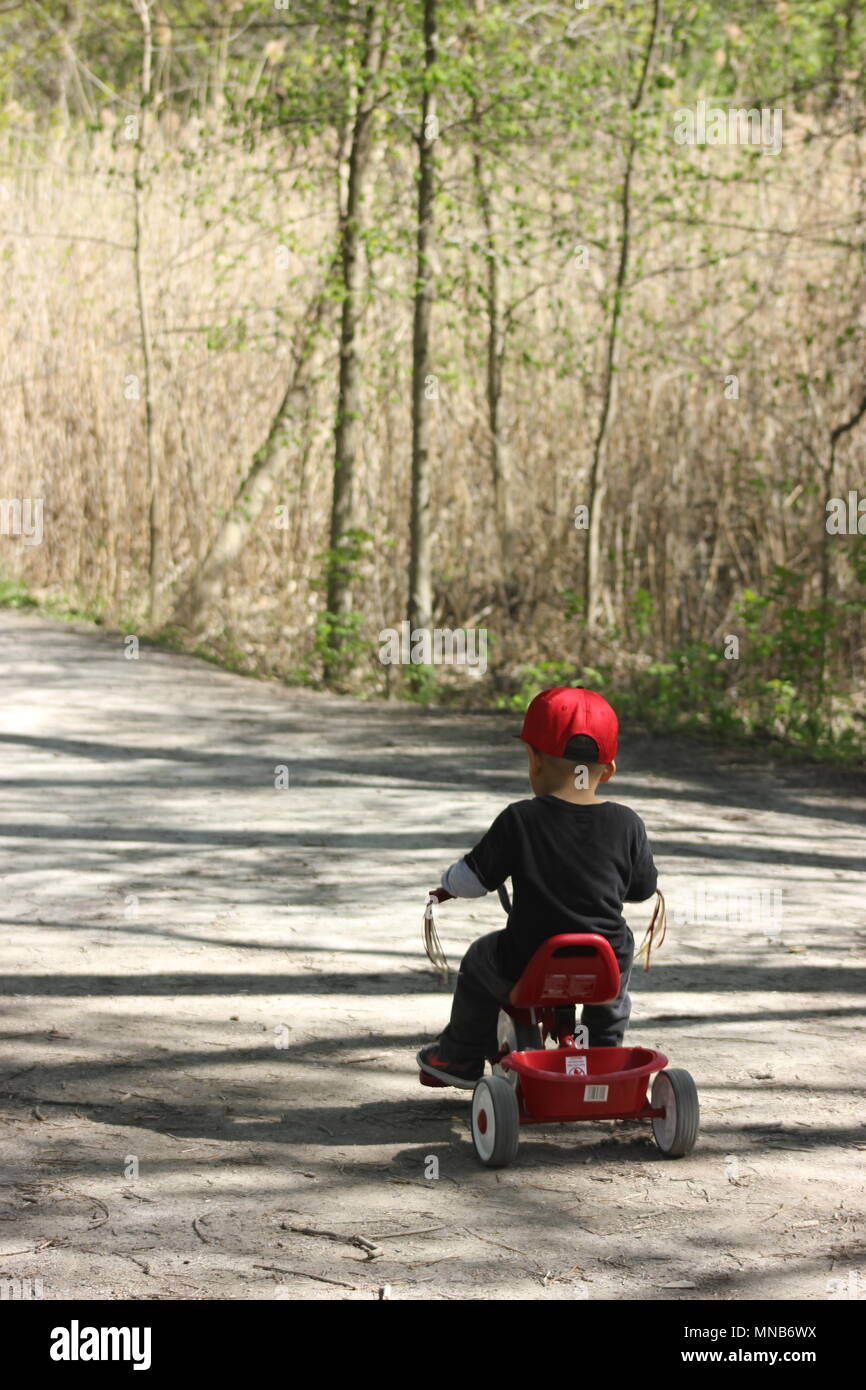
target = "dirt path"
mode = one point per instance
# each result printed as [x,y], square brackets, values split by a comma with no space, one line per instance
[220,985]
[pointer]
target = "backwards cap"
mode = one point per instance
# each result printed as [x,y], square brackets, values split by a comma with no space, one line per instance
[570,722]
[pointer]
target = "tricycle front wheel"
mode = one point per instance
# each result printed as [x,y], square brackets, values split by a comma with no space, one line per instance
[495,1121]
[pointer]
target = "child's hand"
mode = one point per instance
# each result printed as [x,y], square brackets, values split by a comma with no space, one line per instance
[441,895]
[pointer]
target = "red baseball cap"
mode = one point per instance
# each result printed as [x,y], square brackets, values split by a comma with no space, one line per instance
[570,722]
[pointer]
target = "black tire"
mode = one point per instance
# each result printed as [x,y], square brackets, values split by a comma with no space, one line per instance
[676,1131]
[495,1121]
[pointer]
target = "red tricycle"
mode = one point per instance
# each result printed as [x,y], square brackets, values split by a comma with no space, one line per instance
[537,1084]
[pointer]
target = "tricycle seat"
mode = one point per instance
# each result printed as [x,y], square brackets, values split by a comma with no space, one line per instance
[576,968]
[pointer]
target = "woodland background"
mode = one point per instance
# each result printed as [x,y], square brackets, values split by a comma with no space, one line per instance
[320,316]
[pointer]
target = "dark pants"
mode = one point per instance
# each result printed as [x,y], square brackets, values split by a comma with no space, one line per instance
[481,992]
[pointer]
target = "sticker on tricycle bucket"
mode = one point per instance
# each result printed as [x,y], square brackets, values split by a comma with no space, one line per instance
[575,1066]
[595,1093]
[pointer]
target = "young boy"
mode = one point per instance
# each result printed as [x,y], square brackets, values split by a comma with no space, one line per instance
[573,860]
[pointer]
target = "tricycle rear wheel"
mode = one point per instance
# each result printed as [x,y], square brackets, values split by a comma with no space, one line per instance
[515,1037]
[518,1037]
[675,1132]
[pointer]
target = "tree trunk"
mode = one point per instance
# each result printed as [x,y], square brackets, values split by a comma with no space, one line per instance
[420,569]
[70,76]
[822,698]
[250,498]
[499,460]
[598,470]
[155,543]
[347,426]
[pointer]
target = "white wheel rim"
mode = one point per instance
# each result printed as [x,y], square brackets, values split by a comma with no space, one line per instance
[664,1126]
[483,1115]
[506,1036]
[506,1033]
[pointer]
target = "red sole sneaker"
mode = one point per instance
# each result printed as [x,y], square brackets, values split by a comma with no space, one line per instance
[439,1075]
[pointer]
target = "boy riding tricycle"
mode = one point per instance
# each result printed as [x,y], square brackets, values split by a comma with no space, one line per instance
[573,860]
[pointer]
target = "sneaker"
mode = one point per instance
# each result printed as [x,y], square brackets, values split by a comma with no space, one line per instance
[463,1074]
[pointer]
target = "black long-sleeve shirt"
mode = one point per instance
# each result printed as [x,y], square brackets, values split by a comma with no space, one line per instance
[571,865]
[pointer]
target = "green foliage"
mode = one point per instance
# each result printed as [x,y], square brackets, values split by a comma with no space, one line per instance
[339,642]
[71,608]
[13,594]
[573,604]
[642,612]
[423,686]
[773,690]
[533,678]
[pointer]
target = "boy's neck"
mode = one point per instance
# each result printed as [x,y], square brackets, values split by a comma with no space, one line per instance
[579,796]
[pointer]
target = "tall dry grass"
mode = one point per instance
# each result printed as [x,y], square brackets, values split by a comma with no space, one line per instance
[762,280]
